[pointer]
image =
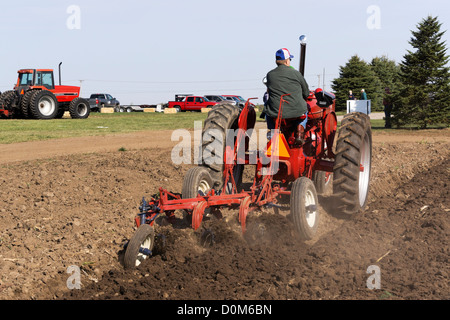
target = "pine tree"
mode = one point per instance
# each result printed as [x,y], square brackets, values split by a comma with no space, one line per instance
[387,71]
[424,97]
[355,75]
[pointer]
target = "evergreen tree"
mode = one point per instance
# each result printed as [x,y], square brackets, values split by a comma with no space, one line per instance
[355,75]
[424,97]
[387,71]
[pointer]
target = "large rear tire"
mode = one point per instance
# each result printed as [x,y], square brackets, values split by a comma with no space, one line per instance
[352,168]
[304,208]
[43,105]
[25,104]
[140,246]
[9,101]
[214,135]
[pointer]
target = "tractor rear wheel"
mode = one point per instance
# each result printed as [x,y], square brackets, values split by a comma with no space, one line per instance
[351,173]
[214,135]
[304,207]
[43,105]
[25,103]
[9,101]
[79,108]
[140,246]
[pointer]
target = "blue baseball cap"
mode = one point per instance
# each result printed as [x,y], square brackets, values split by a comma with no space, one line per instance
[283,54]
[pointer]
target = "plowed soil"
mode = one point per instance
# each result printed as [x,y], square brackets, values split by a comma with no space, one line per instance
[74,206]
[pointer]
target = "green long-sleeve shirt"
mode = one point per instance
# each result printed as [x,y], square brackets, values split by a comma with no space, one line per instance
[283,80]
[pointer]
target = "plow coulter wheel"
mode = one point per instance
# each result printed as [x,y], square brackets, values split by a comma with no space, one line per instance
[140,246]
[304,209]
[196,180]
[351,174]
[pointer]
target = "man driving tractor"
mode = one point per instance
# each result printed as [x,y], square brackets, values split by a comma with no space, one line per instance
[284,79]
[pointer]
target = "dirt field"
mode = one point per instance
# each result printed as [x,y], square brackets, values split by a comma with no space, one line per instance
[72,202]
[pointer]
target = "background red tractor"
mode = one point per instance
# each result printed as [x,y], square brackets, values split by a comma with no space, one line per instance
[36,96]
[286,175]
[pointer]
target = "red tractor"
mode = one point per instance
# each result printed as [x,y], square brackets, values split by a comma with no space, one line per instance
[36,96]
[284,173]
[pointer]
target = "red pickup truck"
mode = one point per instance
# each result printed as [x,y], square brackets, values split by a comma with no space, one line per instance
[190,103]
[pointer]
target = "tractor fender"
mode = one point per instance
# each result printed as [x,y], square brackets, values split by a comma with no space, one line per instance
[329,132]
[250,119]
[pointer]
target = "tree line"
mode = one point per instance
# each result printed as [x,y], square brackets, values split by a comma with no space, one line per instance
[419,85]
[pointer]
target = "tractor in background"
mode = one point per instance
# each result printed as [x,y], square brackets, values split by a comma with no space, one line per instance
[35,96]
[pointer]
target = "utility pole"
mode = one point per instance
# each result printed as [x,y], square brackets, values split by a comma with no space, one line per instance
[323,79]
[81,82]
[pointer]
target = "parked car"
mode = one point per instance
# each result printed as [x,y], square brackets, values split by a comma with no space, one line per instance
[190,103]
[220,99]
[238,99]
[103,100]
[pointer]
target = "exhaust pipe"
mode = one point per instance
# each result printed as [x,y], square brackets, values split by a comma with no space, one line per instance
[59,67]
[302,54]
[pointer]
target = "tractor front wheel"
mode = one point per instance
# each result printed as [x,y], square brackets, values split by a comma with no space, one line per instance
[304,207]
[140,246]
[322,181]
[79,108]
[352,167]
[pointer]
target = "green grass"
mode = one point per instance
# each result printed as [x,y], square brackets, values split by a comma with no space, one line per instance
[13,131]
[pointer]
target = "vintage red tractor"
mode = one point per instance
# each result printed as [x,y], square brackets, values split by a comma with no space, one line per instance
[283,170]
[36,96]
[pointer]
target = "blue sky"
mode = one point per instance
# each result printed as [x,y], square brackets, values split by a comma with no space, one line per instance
[148,51]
